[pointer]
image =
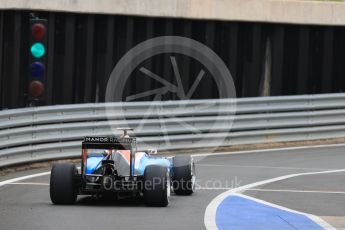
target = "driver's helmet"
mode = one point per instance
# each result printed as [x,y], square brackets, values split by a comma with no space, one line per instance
[152,151]
[98,152]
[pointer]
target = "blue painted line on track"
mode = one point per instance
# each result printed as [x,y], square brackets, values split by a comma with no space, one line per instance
[239,213]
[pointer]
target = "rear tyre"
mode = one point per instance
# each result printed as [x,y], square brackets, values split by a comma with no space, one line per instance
[183,179]
[63,189]
[156,186]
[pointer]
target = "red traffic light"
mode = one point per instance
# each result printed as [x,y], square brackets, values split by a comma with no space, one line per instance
[36,88]
[38,30]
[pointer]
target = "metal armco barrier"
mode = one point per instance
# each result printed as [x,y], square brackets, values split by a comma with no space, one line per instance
[53,132]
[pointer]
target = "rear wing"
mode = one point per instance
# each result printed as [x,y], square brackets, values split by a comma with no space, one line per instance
[108,142]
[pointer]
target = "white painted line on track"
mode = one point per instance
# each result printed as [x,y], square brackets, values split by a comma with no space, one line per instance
[274,190]
[296,191]
[14,180]
[259,166]
[211,210]
[2,183]
[29,183]
[212,188]
[270,150]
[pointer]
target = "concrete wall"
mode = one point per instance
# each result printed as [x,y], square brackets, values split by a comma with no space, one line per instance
[276,11]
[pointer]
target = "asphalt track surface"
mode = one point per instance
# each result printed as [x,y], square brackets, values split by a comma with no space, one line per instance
[28,206]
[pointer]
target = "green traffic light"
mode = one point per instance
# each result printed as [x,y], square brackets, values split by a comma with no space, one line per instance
[37,50]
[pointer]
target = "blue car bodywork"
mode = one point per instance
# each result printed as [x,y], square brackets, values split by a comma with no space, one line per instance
[144,160]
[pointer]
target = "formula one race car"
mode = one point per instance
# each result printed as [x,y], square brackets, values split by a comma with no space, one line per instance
[112,166]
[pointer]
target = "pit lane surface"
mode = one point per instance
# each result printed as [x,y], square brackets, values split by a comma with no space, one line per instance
[26,204]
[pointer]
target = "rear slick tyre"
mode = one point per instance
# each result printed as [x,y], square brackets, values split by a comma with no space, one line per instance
[63,189]
[183,179]
[156,186]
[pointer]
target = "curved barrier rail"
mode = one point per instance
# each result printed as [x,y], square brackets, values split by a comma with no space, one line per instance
[52,132]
